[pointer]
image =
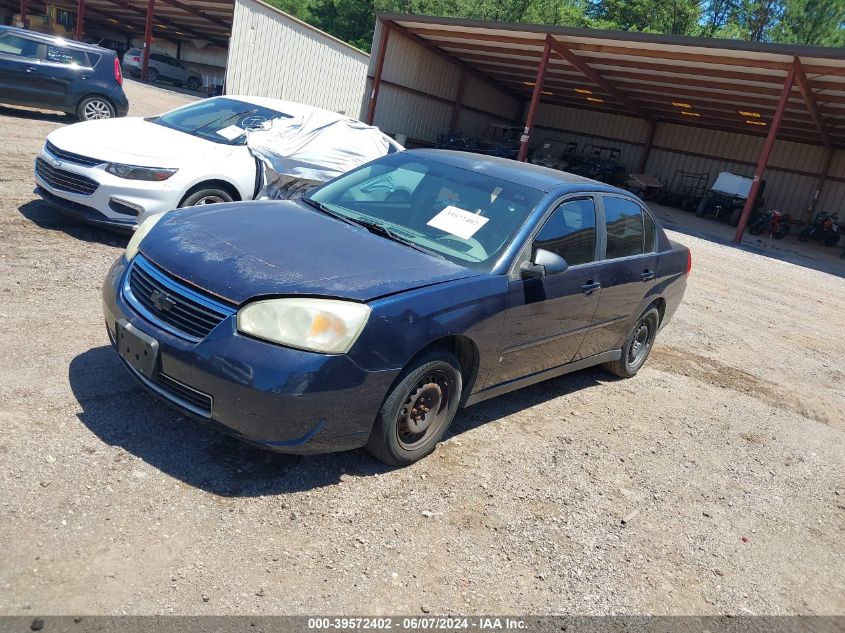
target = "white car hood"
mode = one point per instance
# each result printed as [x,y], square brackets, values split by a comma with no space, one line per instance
[134,141]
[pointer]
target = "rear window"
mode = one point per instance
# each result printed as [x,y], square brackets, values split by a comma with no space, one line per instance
[63,55]
[134,52]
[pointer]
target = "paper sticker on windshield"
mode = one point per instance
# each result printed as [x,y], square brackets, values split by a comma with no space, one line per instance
[458,222]
[231,133]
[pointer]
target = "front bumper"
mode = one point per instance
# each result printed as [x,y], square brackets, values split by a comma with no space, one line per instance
[275,397]
[117,202]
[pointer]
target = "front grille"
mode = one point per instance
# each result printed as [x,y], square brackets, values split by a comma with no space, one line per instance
[79,159]
[65,180]
[180,391]
[171,304]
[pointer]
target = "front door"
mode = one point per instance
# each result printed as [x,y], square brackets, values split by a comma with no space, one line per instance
[547,317]
[626,274]
[60,69]
[19,65]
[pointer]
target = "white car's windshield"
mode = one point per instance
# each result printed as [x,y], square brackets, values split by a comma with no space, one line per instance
[465,216]
[219,120]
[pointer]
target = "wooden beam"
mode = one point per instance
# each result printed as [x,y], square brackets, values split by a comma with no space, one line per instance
[764,157]
[80,20]
[652,127]
[386,27]
[148,39]
[828,158]
[809,98]
[578,63]
[535,100]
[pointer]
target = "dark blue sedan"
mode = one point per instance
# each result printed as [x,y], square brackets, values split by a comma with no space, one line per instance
[367,314]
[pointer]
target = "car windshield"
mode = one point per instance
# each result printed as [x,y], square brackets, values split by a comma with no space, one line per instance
[463,215]
[219,119]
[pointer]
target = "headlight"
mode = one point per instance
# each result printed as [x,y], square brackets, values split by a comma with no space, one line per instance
[318,325]
[139,234]
[133,172]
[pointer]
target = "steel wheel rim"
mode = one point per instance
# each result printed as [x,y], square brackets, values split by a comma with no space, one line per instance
[97,109]
[426,409]
[640,344]
[209,200]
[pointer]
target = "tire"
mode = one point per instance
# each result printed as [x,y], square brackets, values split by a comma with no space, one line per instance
[782,232]
[208,195]
[832,240]
[152,75]
[433,380]
[756,228]
[736,214]
[637,346]
[804,236]
[94,108]
[193,83]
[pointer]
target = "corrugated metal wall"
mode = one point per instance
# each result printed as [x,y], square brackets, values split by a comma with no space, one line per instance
[272,54]
[418,90]
[591,128]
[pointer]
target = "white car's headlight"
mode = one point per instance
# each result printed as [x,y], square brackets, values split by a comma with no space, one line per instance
[134,172]
[319,325]
[139,234]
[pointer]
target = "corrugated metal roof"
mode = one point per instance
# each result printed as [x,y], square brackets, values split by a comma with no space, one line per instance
[690,81]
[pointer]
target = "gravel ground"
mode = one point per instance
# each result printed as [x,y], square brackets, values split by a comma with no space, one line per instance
[713,482]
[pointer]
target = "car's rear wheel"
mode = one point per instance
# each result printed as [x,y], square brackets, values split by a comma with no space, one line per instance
[637,346]
[418,410]
[193,83]
[211,195]
[93,108]
[152,74]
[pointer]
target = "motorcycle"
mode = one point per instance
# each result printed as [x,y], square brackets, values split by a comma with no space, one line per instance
[773,223]
[824,228]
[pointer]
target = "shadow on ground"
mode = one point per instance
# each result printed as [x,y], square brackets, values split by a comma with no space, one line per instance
[46,217]
[39,115]
[119,412]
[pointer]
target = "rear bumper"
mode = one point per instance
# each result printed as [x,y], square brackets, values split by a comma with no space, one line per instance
[275,397]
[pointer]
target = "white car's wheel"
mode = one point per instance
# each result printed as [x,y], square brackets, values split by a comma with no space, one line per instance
[211,195]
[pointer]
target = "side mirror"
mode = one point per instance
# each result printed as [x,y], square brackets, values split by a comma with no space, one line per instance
[545,263]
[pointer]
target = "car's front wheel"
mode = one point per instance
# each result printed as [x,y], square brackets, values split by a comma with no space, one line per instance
[93,108]
[418,410]
[637,346]
[193,83]
[212,195]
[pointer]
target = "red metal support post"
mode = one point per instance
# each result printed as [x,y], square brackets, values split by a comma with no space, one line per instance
[459,99]
[80,19]
[148,39]
[535,100]
[819,184]
[763,160]
[24,6]
[382,49]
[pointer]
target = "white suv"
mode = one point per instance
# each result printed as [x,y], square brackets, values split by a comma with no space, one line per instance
[162,68]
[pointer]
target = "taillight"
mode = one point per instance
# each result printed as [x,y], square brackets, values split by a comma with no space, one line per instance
[118,76]
[137,60]
[689,261]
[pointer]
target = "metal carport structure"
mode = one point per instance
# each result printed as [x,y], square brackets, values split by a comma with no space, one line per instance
[204,20]
[767,93]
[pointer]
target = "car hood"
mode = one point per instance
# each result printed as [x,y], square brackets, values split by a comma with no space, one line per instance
[135,141]
[241,250]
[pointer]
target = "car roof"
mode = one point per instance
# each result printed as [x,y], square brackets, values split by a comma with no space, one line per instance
[526,174]
[54,39]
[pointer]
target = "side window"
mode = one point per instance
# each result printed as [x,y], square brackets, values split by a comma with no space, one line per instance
[570,232]
[650,234]
[624,227]
[68,56]
[16,45]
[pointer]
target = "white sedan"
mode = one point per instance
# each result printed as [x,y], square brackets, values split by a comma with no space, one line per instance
[111,172]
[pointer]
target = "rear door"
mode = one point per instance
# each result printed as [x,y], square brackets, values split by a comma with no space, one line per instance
[60,68]
[627,272]
[19,65]
[547,318]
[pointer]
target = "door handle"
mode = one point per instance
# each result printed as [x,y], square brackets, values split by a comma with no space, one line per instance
[589,288]
[647,274]
[30,69]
